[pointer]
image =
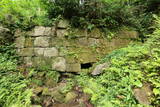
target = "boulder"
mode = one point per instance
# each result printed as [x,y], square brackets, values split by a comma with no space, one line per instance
[39,51]
[99,68]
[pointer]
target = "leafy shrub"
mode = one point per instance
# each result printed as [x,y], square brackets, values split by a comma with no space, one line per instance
[101,13]
[130,67]
[13,85]
[23,13]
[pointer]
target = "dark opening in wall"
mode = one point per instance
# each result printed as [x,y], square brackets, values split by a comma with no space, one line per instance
[86,65]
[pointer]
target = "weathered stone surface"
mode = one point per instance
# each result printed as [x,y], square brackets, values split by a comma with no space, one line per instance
[17,33]
[48,31]
[62,51]
[126,34]
[71,59]
[95,33]
[59,64]
[76,67]
[93,42]
[87,57]
[41,42]
[50,52]
[142,94]
[39,31]
[61,33]
[28,61]
[83,41]
[26,52]
[20,42]
[63,24]
[99,68]
[39,62]
[70,96]
[29,42]
[39,51]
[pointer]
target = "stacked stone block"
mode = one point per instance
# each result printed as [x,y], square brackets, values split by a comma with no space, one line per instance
[63,48]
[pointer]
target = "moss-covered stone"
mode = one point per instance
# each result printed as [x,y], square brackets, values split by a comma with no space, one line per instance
[26,52]
[65,49]
[76,67]
[29,42]
[20,41]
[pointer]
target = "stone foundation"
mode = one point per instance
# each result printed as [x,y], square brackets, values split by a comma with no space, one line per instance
[64,49]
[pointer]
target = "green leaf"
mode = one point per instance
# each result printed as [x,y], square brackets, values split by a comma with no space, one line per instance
[156,91]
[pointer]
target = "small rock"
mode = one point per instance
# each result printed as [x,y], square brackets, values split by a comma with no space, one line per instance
[48,31]
[143,94]
[70,96]
[38,90]
[99,68]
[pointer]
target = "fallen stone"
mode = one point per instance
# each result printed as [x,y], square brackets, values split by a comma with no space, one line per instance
[99,68]
[70,96]
[37,90]
[142,94]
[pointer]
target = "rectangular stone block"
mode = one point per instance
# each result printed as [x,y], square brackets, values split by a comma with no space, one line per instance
[28,61]
[38,31]
[41,42]
[29,42]
[39,51]
[42,62]
[50,52]
[73,67]
[61,33]
[25,52]
[20,42]
[59,64]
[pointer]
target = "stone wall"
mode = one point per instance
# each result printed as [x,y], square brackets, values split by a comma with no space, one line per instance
[66,49]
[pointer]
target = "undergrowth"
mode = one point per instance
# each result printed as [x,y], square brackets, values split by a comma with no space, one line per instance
[131,67]
[13,85]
